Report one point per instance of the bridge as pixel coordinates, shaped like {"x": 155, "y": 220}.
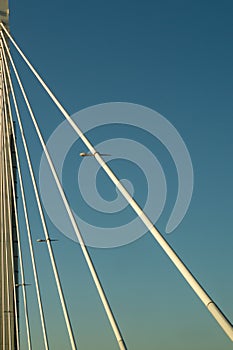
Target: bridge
{"x": 12, "y": 276}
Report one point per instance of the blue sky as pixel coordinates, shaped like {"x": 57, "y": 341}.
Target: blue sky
{"x": 174, "y": 57}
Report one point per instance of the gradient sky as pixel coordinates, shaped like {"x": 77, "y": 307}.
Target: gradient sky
{"x": 176, "y": 58}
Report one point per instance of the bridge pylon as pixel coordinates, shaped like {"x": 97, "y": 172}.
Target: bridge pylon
{"x": 8, "y": 237}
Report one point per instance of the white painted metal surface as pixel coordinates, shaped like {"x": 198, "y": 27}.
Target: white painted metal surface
{"x": 4, "y": 12}
{"x": 8, "y": 303}
{"x": 85, "y": 252}
{"x": 47, "y": 239}
{"x": 198, "y": 289}
{"x": 8, "y": 297}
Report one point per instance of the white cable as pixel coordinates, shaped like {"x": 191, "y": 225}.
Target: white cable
{"x": 6, "y": 310}
{"x": 2, "y": 240}
{"x": 2, "y": 334}
{"x": 8, "y": 166}
{"x": 47, "y": 238}
{"x": 7, "y": 247}
{"x": 38, "y": 293}
{"x": 18, "y": 232}
{"x": 6, "y": 237}
{"x": 192, "y": 281}
{"x": 90, "y": 264}
{"x": 3, "y": 267}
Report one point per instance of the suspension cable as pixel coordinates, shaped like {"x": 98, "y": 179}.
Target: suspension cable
{"x": 192, "y": 281}
{"x": 38, "y": 293}
{"x": 86, "y": 254}
{"x": 8, "y": 166}
{"x": 3, "y": 264}
{"x": 44, "y": 225}
{"x": 5, "y": 233}
{"x": 2, "y": 229}
{"x": 23, "y": 284}
{"x": 7, "y": 242}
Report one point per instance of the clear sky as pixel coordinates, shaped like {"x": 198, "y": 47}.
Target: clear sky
{"x": 174, "y": 57}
